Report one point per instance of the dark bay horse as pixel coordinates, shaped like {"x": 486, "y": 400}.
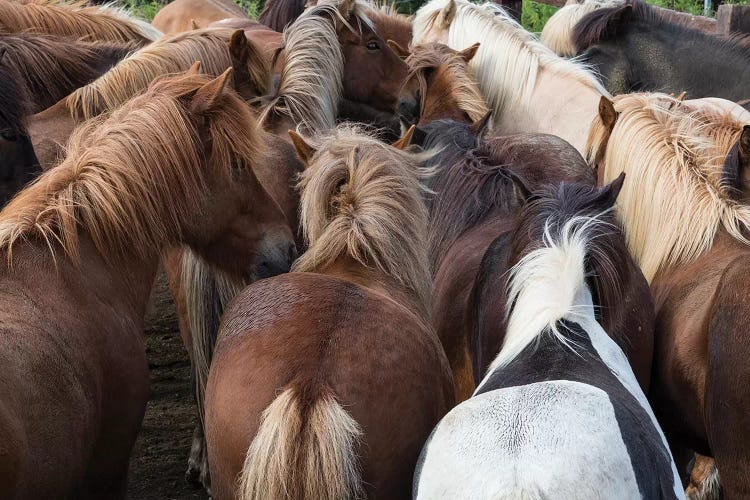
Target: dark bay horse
{"x": 687, "y": 219}
{"x": 74, "y": 386}
{"x": 327, "y": 381}
{"x": 18, "y": 163}
{"x": 560, "y": 412}
{"x": 51, "y": 67}
{"x": 105, "y": 23}
{"x": 635, "y": 48}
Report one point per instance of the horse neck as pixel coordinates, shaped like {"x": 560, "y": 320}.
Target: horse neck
{"x": 350, "y": 270}
{"x": 49, "y": 132}
{"x": 559, "y": 106}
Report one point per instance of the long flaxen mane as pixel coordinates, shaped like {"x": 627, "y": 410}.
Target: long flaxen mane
{"x": 51, "y": 66}
{"x": 311, "y": 82}
{"x": 149, "y": 149}
{"x": 452, "y": 69}
{"x": 509, "y": 60}
{"x": 103, "y": 23}
{"x": 558, "y": 30}
{"x": 362, "y": 199}
{"x": 676, "y": 197}
{"x": 174, "y": 54}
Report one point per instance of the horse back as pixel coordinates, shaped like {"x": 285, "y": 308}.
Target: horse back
{"x": 314, "y": 333}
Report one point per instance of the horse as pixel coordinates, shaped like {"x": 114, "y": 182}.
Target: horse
{"x": 558, "y": 29}
{"x": 440, "y": 81}
{"x": 52, "y": 67}
{"x": 635, "y": 48}
{"x": 215, "y": 49}
{"x": 333, "y": 53}
{"x": 308, "y": 395}
{"x": 184, "y": 153}
{"x": 104, "y": 23}
{"x": 185, "y": 15}
{"x": 527, "y": 86}
{"x": 18, "y": 163}
{"x": 278, "y": 14}
{"x": 685, "y": 212}
{"x": 560, "y": 412}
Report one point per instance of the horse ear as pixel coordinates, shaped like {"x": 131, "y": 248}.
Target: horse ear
{"x": 479, "y": 126}
{"x": 607, "y": 113}
{"x": 207, "y": 97}
{"x": 736, "y": 170}
{"x": 616, "y": 21}
{"x": 194, "y": 25}
{"x": 304, "y": 150}
{"x": 398, "y": 49}
{"x": 607, "y": 195}
{"x": 404, "y": 142}
{"x": 252, "y": 73}
{"x": 468, "y": 53}
{"x": 448, "y": 13}
{"x": 195, "y": 69}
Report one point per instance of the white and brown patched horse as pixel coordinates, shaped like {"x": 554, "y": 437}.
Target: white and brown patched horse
{"x": 560, "y": 413}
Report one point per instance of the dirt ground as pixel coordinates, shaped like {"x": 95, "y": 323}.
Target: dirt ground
{"x": 159, "y": 459}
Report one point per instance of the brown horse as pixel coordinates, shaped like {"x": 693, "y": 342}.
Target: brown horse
{"x": 101, "y": 23}
{"x": 185, "y": 15}
{"x": 215, "y": 49}
{"x": 327, "y": 381}
{"x": 18, "y": 163}
{"x": 74, "y": 386}
{"x": 278, "y": 14}
{"x": 686, "y": 215}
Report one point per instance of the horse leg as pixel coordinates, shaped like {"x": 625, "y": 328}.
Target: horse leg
{"x": 727, "y": 395}
{"x": 704, "y": 480}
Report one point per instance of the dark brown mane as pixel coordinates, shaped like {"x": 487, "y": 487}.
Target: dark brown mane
{"x": 549, "y": 208}
{"x": 52, "y": 67}
{"x": 277, "y": 14}
{"x": 14, "y": 105}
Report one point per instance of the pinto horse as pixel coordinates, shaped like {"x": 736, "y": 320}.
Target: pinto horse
{"x": 327, "y": 381}
{"x": 560, "y": 412}
{"x": 215, "y": 49}
{"x": 52, "y": 67}
{"x": 185, "y": 15}
{"x": 18, "y": 163}
{"x": 75, "y": 386}
{"x": 686, "y": 215}
{"x": 104, "y": 23}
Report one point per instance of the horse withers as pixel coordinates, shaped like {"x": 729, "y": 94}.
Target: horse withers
{"x": 560, "y": 413}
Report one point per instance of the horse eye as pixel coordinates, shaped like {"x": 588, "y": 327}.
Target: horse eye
{"x": 373, "y": 46}
{"x": 9, "y": 135}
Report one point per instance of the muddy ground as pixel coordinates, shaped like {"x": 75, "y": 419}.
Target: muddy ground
{"x": 159, "y": 459}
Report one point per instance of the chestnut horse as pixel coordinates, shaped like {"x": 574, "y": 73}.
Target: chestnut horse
{"x": 327, "y": 381}
{"x": 75, "y": 386}
{"x": 104, "y": 23}
{"x": 185, "y": 15}
{"x": 52, "y": 67}
{"x": 18, "y": 163}
{"x": 215, "y": 49}
{"x": 686, "y": 215}
{"x": 560, "y": 413}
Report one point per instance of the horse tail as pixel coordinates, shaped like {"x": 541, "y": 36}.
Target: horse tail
{"x": 303, "y": 450}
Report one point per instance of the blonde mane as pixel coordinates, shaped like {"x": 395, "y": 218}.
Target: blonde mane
{"x": 311, "y": 82}
{"x": 133, "y": 74}
{"x": 674, "y": 200}
{"x": 454, "y": 70}
{"x": 558, "y": 30}
{"x": 104, "y": 23}
{"x": 363, "y": 199}
{"x": 133, "y": 179}
{"x": 509, "y": 59}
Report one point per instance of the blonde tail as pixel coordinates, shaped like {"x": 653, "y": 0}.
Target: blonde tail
{"x": 296, "y": 457}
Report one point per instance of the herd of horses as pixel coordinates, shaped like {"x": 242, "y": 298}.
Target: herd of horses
{"x": 431, "y": 256}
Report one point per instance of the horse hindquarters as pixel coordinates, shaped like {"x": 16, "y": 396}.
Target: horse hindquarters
{"x": 727, "y": 396}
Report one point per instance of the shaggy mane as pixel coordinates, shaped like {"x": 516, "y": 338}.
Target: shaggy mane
{"x": 451, "y": 68}
{"x": 676, "y": 197}
{"x": 130, "y": 178}
{"x": 104, "y": 23}
{"x": 50, "y": 66}
{"x": 277, "y": 14}
{"x": 363, "y": 199}
{"x": 174, "y": 54}
{"x": 557, "y": 33}
{"x": 14, "y": 104}
{"x": 509, "y": 59}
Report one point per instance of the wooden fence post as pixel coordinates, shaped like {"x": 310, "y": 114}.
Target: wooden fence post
{"x": 732, "y": 18}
